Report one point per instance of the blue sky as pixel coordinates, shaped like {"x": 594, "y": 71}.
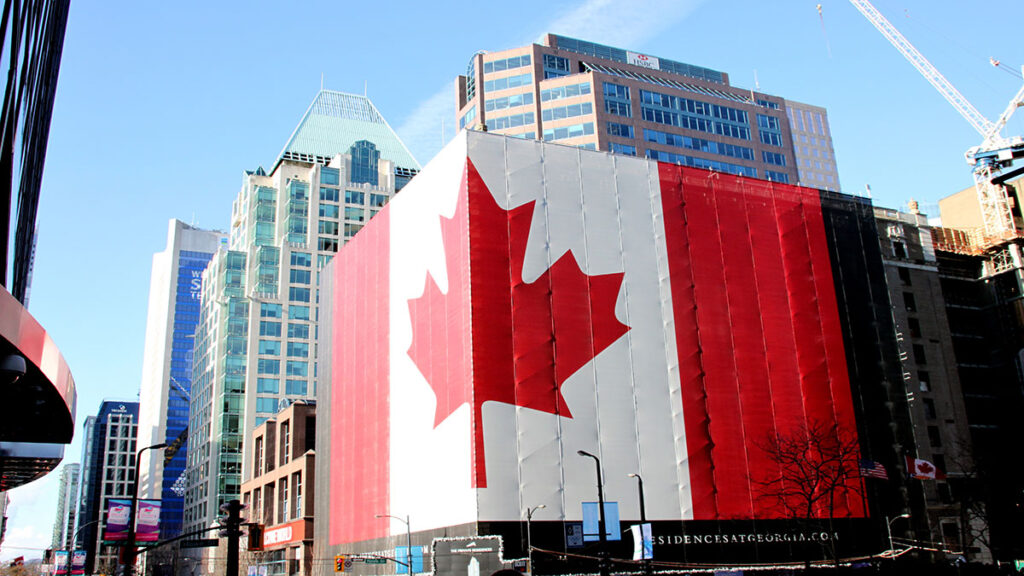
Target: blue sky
{"x": 161, "y": 106}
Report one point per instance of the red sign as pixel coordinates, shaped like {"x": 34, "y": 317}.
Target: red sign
{"x": 285, "y": 534}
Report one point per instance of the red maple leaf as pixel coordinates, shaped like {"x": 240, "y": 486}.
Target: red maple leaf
{"x": 527, "y": 338}
{"x": 925, "y": 467}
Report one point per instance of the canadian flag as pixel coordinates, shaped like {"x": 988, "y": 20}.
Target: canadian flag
{"x": 923, "y": 470}
{"x": 520, "y": 301}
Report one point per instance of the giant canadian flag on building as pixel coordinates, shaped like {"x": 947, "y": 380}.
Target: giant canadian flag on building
{"x": 520, "y": 301}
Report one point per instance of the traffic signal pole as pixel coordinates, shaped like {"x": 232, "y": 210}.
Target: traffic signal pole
{"x": 233, "y": 531}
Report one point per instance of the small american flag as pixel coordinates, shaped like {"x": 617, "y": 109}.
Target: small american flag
{"x": 872, "y": 469}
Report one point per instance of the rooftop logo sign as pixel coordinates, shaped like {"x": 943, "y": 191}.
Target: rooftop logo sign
{"x": 643, "y": 60}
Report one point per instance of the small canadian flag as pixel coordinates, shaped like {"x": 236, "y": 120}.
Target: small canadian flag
{"x": 923, "y": 470}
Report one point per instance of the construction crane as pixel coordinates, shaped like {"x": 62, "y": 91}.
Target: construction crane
{"x": 995, "y": 152}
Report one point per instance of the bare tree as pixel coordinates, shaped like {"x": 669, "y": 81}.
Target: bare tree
{"x": 816, "y": 474}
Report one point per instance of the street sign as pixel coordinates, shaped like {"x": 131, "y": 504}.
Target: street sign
{"x": 375, "y": 560}
{"x": 202, "y": 543}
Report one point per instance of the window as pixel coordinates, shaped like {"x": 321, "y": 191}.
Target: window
{"x": 298, "y": 331}
{"x": 570, "y": 111}
{"x": 929, "y": 408}
{"x": 295, "y": 387}
{"x": 300, "y": 259}
{"x": 296, "y": 294}
{"x": 909, "y": 302}
{"x": 297, "y": 368}
{"x": 925, "y": 380}
{"x": 258, "y": 470}
{"x": 329, "y": 176}
{"x": 329, "y": 210}
{"x": 357, "y": 213}
{"x": 514, "y": 121}
{"x": 702, "y": 163}
{"x": 618, "y": 108}
{"x": 555, "y": 66}
{"x": 915, "y": 327}
{"x": 268, "y": 328}
{"x": 573, "y": 131}
{"x": 329, "y": 194}
{"x": 297, "y": 489}
{"x": 625, "y": 149}
{"x": 266, "y": 405}
{"x": 776, "y": 176}
{"x": 616, "y": 91}
{"x": 298, "y": 349}
{"x": 773, "y": 158}
{"x": 623, "y": 130}
{"x": 364, "y": 162}
{"x": 272, "y": 347}
{"x": 690, "y": 143}
{"x": 509, "y": 101}
{"x": 569, "y": 91}
{"x": 327, "y": 244}
{"x": 299, "y": 276}
{"x": 296, "y": 312}
{"x": 899, "y": 250}
{"x": 267, "y": 385}
{"x": 507, "y": 63}
{"x": 353, "y": 197}
{"x": 919, "y": 354}
{"x": 378, "y": 200}
{"x": 933, "y": 437}
{"x": 268, "y": 366}
{"x": 270, "y": 310}
{"x": 328, "y": 227}
{"x": 509, "y": 82}
{"x": 285, "y": 440}
{"x": 904, "y": 274}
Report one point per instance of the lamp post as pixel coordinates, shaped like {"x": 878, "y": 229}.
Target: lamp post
{"x": 888, "y": 529}
{"x": 408, "y": 538}
{"x": 529, "y": 544}
{"x": 602, "y": 563}
{"x": 129, "y": 556}
{"x": 643, "y": 520}
{"x": 74, "y": 542}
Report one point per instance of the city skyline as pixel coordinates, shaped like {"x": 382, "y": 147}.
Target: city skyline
{"x": 181, "y": 99}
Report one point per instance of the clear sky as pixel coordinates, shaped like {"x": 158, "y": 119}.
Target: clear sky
{"x": 161, "y": 106}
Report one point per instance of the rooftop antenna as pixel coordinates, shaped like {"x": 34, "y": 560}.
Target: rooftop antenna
{"x": 757, "y": 85}
{"x": 867, "y": 190}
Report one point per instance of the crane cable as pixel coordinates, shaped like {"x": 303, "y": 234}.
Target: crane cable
{"x": 821, "y": 17}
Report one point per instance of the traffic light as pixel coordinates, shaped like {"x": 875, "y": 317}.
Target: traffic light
{"x": 339, "y": 563}
{"x": 232, "y": 520}
{"x": 255, "y": 537}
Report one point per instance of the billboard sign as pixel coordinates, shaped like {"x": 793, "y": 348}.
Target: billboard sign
{"x": 147, "y": 521}
{"x": 643, "y": 60}
{"x": 533, "y": 300}
{"x": 118, "y": 516}
{"x": 78, "y": 562}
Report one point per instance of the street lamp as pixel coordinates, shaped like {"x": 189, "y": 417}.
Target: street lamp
{"x": 529, "y": 544}
{"x": 643, "y": 520}
{"x": 408, "y": 537}
{"x": 129, "y": 555}
{"x": 888, "y": 529}
{"x": 602, "y": 538}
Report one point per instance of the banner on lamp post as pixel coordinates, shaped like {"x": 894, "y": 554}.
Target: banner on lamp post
{"x": 118, "y": 515}
{"x": 147, "y": 523}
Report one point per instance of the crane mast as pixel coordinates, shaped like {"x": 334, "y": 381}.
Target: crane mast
{"x": 992, "y": 155}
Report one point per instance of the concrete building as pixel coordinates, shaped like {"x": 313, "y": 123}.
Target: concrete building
{"x": 108, "y": 470}
{"x": 931, "y": 382}
{"x": 67, "y": 509}
{"x": 280, "y": 492}
{"x": 599, "y": 97}
{"x": 256, "y": 344}
{"x": 174, "y": 290}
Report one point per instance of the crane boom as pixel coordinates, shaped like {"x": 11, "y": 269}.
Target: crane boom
{"x": 976, "y": 119}
{"x": 994, "y": 153}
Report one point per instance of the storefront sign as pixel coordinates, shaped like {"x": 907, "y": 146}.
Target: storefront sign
{"x": 744, "y": 538}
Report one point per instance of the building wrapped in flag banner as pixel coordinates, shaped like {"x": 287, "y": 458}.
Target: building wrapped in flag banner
{"x": 519, "y": 302}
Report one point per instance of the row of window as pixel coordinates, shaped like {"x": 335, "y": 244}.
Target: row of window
{"x": 507, "y": 63}
{"x": 273, "y": 329}
{"x": 272, "y": 366}
{"x": 565, "y": 91}
{"x": 701, "y": 163}
{"x": 510, "y": 82}
{"x": 699, "y": 144}
{"x": 508, "y": 101}
{"x": 698, "y": 124}
{"x": 503, "y": 122}
{"x": 697, "y": 107}
{"x": 265, "y": 385}
{"x": 570, "y": 111}
{"x": 293, "y": 349}
{"x": 573, "y": 131}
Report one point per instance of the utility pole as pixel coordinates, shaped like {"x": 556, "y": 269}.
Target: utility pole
{"x": 232, "y": 524}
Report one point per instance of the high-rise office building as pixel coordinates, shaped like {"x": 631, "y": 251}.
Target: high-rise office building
{"x": 598, "y": 97}
{"x": 255, "y": 348}
{"x": 167, "y": 366}
{"x": 67, "y": 508}
{"x": 108, "y": 469}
